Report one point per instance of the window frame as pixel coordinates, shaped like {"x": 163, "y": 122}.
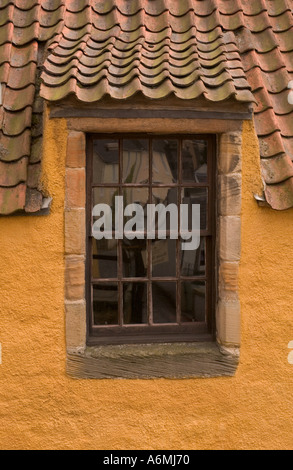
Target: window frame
{"x": 141, "y": 334}
{"x": 200, "y": 359}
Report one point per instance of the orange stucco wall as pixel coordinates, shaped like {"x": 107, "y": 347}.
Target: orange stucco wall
{"x": 42, "y": 408}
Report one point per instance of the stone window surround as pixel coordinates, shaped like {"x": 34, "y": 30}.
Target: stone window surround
{"x": 149, "y": 361}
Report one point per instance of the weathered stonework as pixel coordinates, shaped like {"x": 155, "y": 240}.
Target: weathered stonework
{"x": 75, "y": 188}
{"x": 75, "y": 246}
{"x": 229, "y": 199}
{"x": 229, "y": 159}
{"x": 76, "y": 154}
{"x": 75, "y": 326}
{"x": 228, "y": 322}
{"x": 75, "y": 232}
{"x": 75, "y": 278}
{"x": 229, "y": 239}
{"x": 228, "y": 281}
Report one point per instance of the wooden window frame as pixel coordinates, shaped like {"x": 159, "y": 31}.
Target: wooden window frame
{"x": 155, "y": 333}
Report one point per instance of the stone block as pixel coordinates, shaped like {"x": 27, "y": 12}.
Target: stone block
{"x": 229, "y": 200}
{"x": 230, "y": 238}
{"x": 228, "y": 281}
{"x": 74, "y": 278}
{"x": 75, "y": 188}
{"x": 75, "y": 232}
{"x": 76, "y": 150}
{"x": 228, "y": 323}
{"x": 75, "y": 326}
{"x": 230, "y": 153}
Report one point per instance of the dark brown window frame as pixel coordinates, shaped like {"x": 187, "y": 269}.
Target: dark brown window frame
{"x": 187, "y": 332}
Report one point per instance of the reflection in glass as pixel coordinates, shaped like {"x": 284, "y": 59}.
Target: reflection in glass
{"x": 164, "y": 220}
{"x": 165, "y": 161}
{"x": 135, "y": 196}
{"x": 164, "y": 302}
{"x": 164, "y": 258}
{"x": 105, "y": 259}
{"x": 164, "y": 196}
{"x": 104, "y": 195}
{"x": 104, "y": 220}
{"x": 134, "y": 253}
{"x": 135, "y": 161}
{"x": 135, "y": 303}
{"x": 194, "y": 161}
{"x": 193, "y": 262}
{"x": 193, "y": 300}
{"x": 196, "y": 196}
{"x": 105, "y": 304}
{"x": 105, "y": 161}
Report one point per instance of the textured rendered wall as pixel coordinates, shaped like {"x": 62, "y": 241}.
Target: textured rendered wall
{"x": 41, "y": 408}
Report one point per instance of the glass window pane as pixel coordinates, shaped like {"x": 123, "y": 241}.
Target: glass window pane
{"x": 105, "y": 304}
{"x": 193, "y": 301}
{"x": 124, "y": 265}
{"x": 164, "y": 302}
{"x": 103, "y": 195}
{"x": 164, "y": 258}
{"x": 106, "y": 161}
{"x": 164, "y": 196}
{"x": 134, "y": 253}
{"x": 136, "y": 196}
{"x": 135, "y": 212}
{"x": 194, "y": 161}
{"x": 105, "y": 259}
{"x": 135, "y": 303}
{"x": 104, "y": 217}
{"x": 199, "y": 196}
{"x": 164, "y": 219}
{"x": 193, "y": 262}
{"x": 135, "y": 161}
{"x": 165, "y": 161}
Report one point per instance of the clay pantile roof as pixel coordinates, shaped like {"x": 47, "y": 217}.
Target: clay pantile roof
{"x": 213, "y": 49}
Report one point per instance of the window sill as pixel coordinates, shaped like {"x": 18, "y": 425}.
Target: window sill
{"x": 150, "y": 361}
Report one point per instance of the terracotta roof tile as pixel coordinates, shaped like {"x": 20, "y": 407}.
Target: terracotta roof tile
{"x": 21, "y": 20}
{"x": 14, "y": 148}
{"x": 217, "y": 49}
{"x": 36, "y": 150}
{"x": 15, "y": 123}
{"x": 283, "y": 190}
{"x": 277, "y": 169}
{"x": 6, "y": 33}
{"x": 11, "y": 174}
{"x": 277, "y": 101}
{"x": 21, "y": 56}
{"x": 282, "y": 22}
{"x": 25, "y": 4}
{"x": 271, "y": 145}
{"x": 33, "y": 175}
{"x": 288, "y": 146}
{"x": 276, "y": 8}
{"x": 15, "y": 101}
{"x": 21, "y": 77}
{"x": 12, "y": 199}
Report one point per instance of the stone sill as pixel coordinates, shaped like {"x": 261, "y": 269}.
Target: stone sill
{"x": 151, "y": 361}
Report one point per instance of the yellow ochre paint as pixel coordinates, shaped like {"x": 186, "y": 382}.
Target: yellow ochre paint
{"x": 42, "y": 408}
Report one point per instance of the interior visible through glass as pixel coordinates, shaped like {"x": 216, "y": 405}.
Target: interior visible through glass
{"x": 149, "y": 281}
